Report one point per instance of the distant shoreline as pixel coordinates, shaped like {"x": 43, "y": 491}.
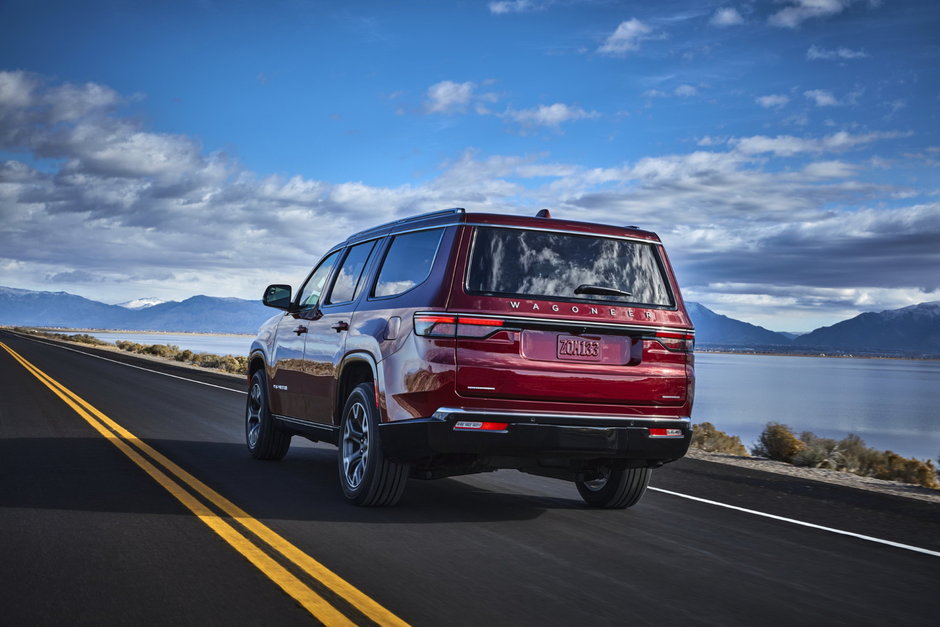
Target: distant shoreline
{"x": 820, "y": 356}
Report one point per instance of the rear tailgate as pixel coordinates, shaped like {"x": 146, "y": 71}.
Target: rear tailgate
{"x": 545, "y": 361}
{"x": 569, "y": 317}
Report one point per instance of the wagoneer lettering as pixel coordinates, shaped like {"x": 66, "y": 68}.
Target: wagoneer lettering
{"x": 452, "y": 343}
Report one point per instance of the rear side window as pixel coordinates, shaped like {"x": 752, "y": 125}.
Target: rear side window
{"x": 346, "y": 285}
{"x": 408, "y": 262}
{"x": 554, "y": 265}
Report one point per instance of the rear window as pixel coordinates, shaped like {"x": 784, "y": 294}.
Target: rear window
{"x": 516, "y": 262}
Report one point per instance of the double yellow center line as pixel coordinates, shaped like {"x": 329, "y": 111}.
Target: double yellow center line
{"x": 173, "y": 479}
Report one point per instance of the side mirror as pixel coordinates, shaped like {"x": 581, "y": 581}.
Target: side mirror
{"x": 277, "y": 296}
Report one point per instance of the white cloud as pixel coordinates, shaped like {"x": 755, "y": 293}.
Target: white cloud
{"x": 814, "y": 52}
{"x": 788, "y": 145}
{"x": 773, "y": 101}
{"x": 822, "y": 97}
{"x": 515, "y": 6}
{"x": 449, "y": 97}
{"x": 626, "y": 38}
{"x": 16, "y": 89}
{"x": 801, "y": 10}
{"x": 829, "y": 170}
{"x": 550, "y": 115}
{"x": 726, "y": 17}
{"x": 682, "y": 91}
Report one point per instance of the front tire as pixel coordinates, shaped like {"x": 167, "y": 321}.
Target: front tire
{"x": 366, "y": 476}
{"x": 263, "y": 435}
{"x": 615, "y": 489}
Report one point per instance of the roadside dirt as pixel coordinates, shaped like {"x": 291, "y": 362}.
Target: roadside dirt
{"x": 822, "y": 474}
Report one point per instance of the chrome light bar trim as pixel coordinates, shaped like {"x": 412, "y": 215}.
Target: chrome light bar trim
{"x": 444, "y": 413}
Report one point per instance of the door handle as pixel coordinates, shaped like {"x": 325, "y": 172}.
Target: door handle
{"x": 300, "y": 330}
{"x": 340, "y": 326}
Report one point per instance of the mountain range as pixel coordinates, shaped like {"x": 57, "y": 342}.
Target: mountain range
{"x": 199, "y": 314}
{"x": 910, "y": 331}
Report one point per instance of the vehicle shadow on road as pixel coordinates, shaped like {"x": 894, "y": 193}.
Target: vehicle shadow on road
{"x": 90, "y": 474}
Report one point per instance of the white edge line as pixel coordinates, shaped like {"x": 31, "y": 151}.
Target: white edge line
{"x": 801, "y": 523}
{"x": 121, "y": 363}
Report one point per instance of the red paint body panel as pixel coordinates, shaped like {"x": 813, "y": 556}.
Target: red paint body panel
{"x": 598, "y": 363}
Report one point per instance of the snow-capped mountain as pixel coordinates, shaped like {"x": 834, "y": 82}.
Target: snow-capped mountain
{"x": 141, "y": 303}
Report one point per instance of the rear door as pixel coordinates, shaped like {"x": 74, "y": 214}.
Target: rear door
{"x": 569, "y": 317}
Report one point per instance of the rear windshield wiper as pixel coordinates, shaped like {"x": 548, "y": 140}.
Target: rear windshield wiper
{"x": 601, "y": 290}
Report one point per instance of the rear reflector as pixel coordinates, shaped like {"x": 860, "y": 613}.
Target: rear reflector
{"x": 665, "y": 433}
{"x": 469, "y": 425}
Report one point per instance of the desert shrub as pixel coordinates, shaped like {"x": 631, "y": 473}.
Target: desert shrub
{"x": 185, "y": 356}
{"x": 228, "y": 363}
{"x": 894, "y": 467}
{"x": 131, "y": 347}
{"x": 706, "y": 437}
{"x": 162, "y": 350}
{"x": 777, "y": 442}
{"x": 84, "y": 338}
{"x": 852, "y": 455}
{"x": 819, "y": 452}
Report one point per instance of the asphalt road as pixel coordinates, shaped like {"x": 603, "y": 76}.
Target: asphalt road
{"x": 88, "y": 536}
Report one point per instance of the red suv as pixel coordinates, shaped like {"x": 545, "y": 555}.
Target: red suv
{"x": 452, "y": 343}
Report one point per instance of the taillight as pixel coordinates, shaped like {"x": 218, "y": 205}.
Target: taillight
{"x": 676, "y": 341}
{"x": 433, "y": 325}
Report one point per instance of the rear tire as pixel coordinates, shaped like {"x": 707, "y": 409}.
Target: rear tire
{"x": 616, "y": 489}
{"x": 263, "y": 435}
{"x": 366, "y": 476}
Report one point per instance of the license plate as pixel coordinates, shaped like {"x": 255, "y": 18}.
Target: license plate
{"x": 579, "y": 348}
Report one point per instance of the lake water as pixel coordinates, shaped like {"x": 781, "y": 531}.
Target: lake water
{"x": 197, "y": 343}
{"x": 892, "y": 404}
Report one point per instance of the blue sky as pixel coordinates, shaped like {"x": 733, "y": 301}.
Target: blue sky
{"x": 786, "y": 151}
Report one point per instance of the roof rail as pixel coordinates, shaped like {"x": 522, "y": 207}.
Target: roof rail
{"x": 418, "y": 218}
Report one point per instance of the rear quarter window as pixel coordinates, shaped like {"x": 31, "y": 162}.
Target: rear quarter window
{"x": 407, "y": 263}
{"x": 517, "y": 262}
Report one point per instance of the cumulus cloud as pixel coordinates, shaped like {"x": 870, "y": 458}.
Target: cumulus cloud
{"x": 626, "y": 38}
{"x": 799, "y": 11}
{"x": 728, "y": 16}
{"x": 822, "y": 97}
{"x": 449, "y": 97}
{"x": 814, "y": 52}
{"x": 773, "y": 101}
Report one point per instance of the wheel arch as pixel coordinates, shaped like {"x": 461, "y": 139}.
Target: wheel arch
{"x": 356, "y": 368}
{"x": 256, "y": 362}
